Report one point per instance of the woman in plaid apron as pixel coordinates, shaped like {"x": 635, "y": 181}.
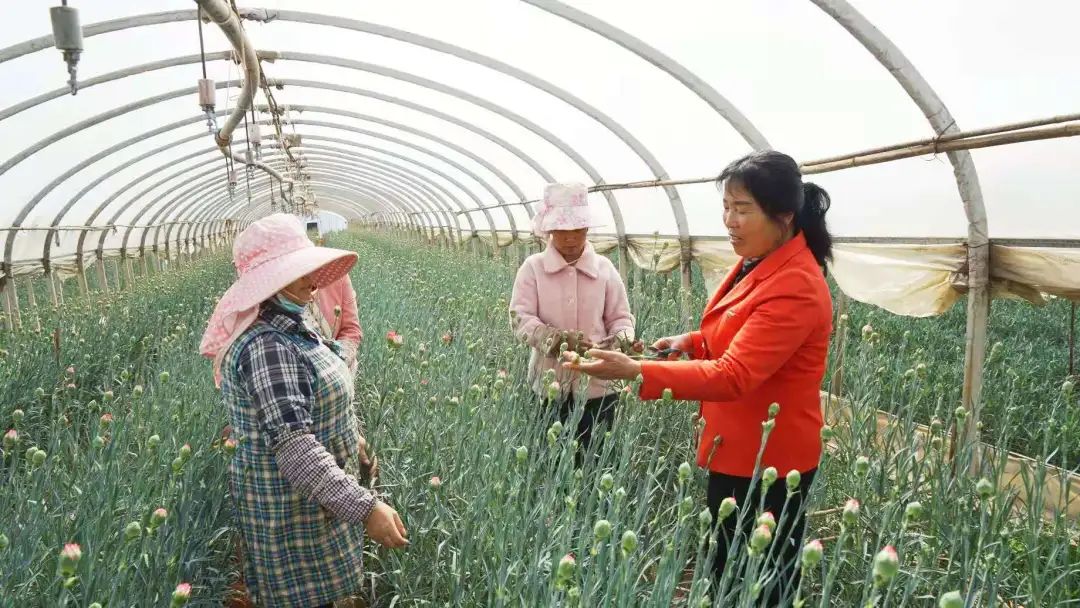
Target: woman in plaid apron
{"x": 301, "y": 514}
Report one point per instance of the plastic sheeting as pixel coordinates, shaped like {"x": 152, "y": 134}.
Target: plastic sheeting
{"x": 421, "y": 108}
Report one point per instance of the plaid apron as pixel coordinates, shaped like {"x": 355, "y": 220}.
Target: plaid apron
{"x": 296, "y": 552}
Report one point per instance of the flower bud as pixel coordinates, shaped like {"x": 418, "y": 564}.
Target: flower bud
{"x": 177, "y": 464}
{"x": 913, "y": 511}
{"x": 668, "y": 396}
{"x": 768, "y": 477}
{"x": 827, "y": 434}
{"x": 95, "y": 605}
{"x": 181, "y": 595}
{"x": 1067, "y": 388}
{"x": 952, "y": 599}
{"x": 862, "y": 465}
{"x": 766, "y": 519}
{"x": 133, "y": 531}
{"x": 39, "y": 393}
{"x": 567, "y": 566}
{"x": 960, "y": 413}
{"x": 521, "y": 454}
{"x": 727, "y": 507}
{"x": 774, "y": 409}
{"x": 886, "y": 565}
{"x": 620, "y": 494}
{"x": 10, "y": 439}
{"x": 30, "y": 451}
{"x": 602, "y": 529}
{"x": 99, "y": 442}
{"x": 686, "y": 506}
{"x": 867, "y": 331}
{"x": 629, "y": 542}
{"x": 435, "y": 482}
{"x": 759, "y": 539}
{"x": 812, "y": 554}
{"x": 106, "y": 420}
{"x": 985, "y": 488}
{"x": 704, "y": 520}
{"x": 69, "y": 559}
{"x": 137, "y": 391}
{"x": 768, "y": 425}
{"x": 685, "y": 471}
{"x": 158, "y": 517}
{"x": 39, "y": 458}
{"x": 794, "y": 478}
{"x": 163, "y": 377}
{"x": 4, "y": 542}
{"x": 17, "y": 416}
{"x": 851, "y": 512}
{"x": 153, "y": 441}
{"x": 108, "y": 395}
{"x": 230, "y": 446}
{"x": 607, "y": 482}
{"x": 185, "y": 452}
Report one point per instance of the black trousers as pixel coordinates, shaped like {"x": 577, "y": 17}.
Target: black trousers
{"x": 786, "y": 546}
{"x": 597, "y": 416}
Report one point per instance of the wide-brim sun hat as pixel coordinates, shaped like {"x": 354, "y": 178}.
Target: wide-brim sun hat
{"x": 564, "y": 207}
{"x": 268, "y": 255}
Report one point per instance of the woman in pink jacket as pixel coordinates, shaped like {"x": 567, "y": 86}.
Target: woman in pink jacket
{"x": 334, "y": 312}
{"x": 569, "y": 294}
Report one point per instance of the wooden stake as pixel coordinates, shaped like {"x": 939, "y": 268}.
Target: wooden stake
{"x": 50, "y": 278}
{"x": 13, "y": 293}
{"x": 102, "y": 275}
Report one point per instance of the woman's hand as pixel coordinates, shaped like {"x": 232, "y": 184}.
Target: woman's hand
{"x": 681, "y": 343}
{"x": 604, "y": 365}
{"x": 573, "y": 343}
{"x": 384, "y": 526}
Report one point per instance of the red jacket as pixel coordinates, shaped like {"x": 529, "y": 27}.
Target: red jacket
{"x": 764, "y": 341}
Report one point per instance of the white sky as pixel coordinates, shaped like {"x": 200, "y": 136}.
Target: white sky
{"x": 806, "y": 84}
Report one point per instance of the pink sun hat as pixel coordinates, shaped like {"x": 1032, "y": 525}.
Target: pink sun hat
{"x": 564, "y": 207}
{"x": 268, "y": 255}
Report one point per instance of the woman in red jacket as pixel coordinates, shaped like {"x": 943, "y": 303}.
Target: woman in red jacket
{"x": 763, "y": 339}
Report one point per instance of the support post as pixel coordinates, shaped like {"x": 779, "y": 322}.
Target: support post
{"x": 103, "y": 275}
{"x": 8, "y": 324}
{"x": 13, "y": 294}
{"x": 978, "y": 314}
{"x": 685, "y": 272}
{"x": 31, "y": 298}
{"x": 624, "y": 256}
{"x": 50, "y": 278}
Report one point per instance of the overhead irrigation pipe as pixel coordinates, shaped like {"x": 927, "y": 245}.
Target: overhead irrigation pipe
{"x": 222, "y": 14}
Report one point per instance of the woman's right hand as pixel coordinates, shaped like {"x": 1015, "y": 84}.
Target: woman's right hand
{"x": 680, "y": 342}
{"x": 383, "y": 525}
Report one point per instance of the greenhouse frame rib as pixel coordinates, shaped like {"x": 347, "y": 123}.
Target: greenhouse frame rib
{"x": 411, "y": 194}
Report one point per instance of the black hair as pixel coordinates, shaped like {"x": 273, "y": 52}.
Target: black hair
{"x": 775, "y": 182}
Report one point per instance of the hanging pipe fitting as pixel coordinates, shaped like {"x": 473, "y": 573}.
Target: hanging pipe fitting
{"x": 254, "y": 137}
{"x": 208, "y": 101}
{"x": 69, "y": 39}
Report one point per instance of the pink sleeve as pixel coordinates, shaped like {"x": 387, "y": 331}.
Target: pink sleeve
{"x": 349, "y": 325}
{"x": 618, "y": 320}
{"x": 524, "y": 305}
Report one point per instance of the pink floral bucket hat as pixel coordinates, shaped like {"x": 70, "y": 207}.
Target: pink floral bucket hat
{"x": 564, "y": 207}
{"x": 268, "y": 255}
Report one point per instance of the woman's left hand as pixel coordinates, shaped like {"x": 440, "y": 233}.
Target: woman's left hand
{"x": 604, "y": 365}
